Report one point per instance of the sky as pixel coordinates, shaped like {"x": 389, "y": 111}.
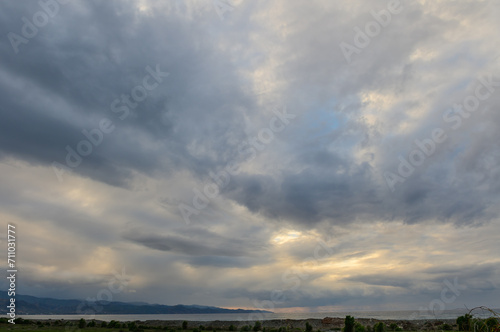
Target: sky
{"x": 282, "y": 155}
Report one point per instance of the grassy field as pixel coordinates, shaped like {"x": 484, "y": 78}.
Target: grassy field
{"x": 463, "y": 323}
{"x": 10, "y": 327}
{"x": 19, "y": 327}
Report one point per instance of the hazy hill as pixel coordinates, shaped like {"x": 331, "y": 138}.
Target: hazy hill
{"x": 30, "y": 305}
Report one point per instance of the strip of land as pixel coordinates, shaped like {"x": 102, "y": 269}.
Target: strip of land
{"x": 276, "y": 325}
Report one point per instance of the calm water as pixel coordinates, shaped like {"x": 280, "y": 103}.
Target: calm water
{"x": 397, "y": 315}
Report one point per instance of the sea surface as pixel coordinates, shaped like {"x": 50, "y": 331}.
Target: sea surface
{"x": 382, "y": 315}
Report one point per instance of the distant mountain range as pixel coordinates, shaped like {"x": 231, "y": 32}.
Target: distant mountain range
{"x": 30, "y": 305}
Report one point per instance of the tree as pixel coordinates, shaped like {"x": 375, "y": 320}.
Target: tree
{"x": 81, "y": 323}
{"x": 349, "y": 324}
{"x": 309, "y": 327}
{"x": 463, "y": 322}
{"x": 257, "y": 326}
{"x": 184, "y": 325}
{"x": 114, "y": 324}
{"x": 232, "y": 327}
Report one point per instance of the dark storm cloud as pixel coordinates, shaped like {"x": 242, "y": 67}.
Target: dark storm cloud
{"x": 193, "y": 245}
{"x": 192, "y": 121}
{"x": 315, "y": 195}
{"x": 350, "y": 189}
{"x": 85, "y": 59}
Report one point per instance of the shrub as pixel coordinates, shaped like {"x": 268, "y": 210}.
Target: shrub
{"x": 114, "y": 324}
{"x": 379, "y": 327}
{"x": 358, "y": 327}
{"x": 446, "y": 327}
{"x": 232, "y": 327}
{"x": 309, "y": 327}
{"x": 257, "y": 326}
{"x": 492, "y": 323}
{"x": 463, "y": 322}
{"x": 132, "y": 326}
{"x": 82, "y": 323}
{"x": 19, "y": 320}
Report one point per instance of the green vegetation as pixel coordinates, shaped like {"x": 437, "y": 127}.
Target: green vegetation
{"x": 463, "y": 322}
{"x": 349, "y": 324}
{"x": 380, "y": 327}
{"x": 358, "y": 327}
{"x": 446, "y": 327}
{"x": 467, "y": 322}
{"x": 493, "y": 323}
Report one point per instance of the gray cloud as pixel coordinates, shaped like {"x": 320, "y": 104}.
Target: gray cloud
{"x": 193, "y": 246}
{"x": 321, "y": 177}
